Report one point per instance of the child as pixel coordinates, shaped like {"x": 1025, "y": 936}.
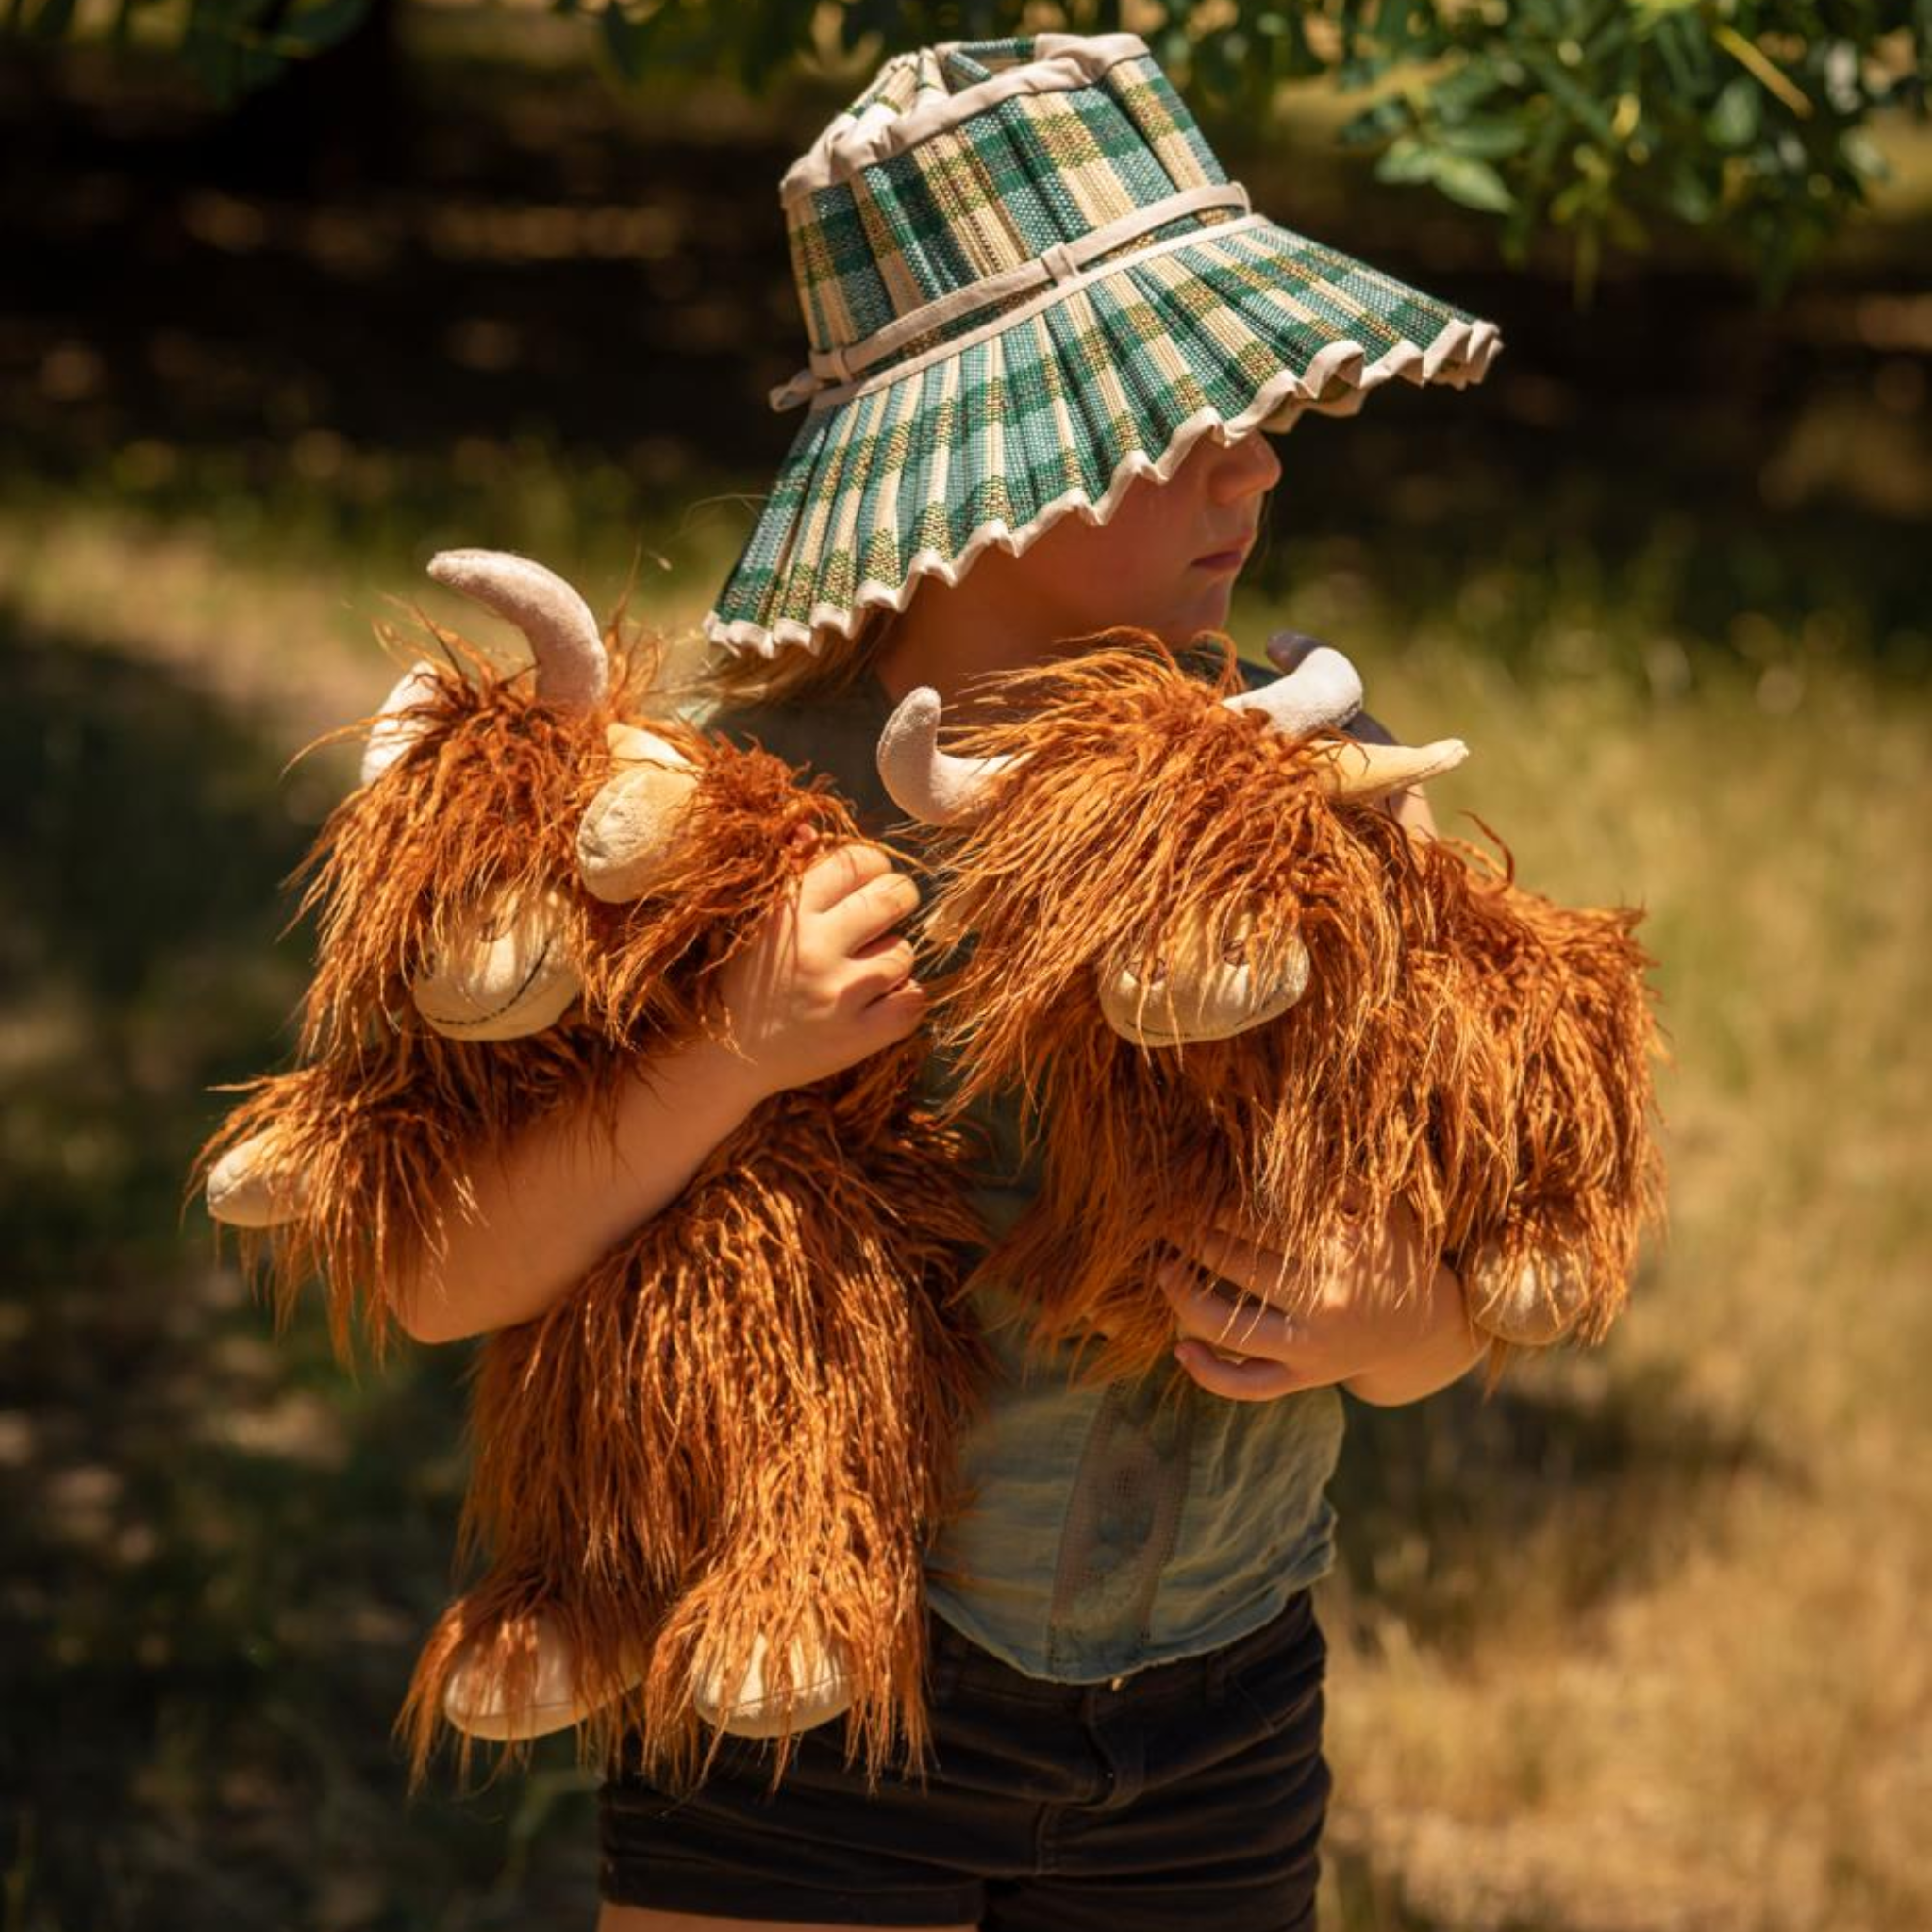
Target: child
{"x": 1030, "y": 291}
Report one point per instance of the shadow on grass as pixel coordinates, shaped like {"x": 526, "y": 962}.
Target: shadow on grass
{"x": 139, "y": 949}
{"x": 218, "y": 1551}
{"x": 1564, "y": 1489}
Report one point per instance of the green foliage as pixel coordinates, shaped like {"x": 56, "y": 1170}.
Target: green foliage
{"x": 1741, "y": 121}
{"x": 231, "y": 47}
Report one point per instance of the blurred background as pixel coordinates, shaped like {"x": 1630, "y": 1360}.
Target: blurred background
{"x": 1639, "y": 1642}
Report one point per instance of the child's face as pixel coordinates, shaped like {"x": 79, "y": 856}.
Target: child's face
{"x": 1166, "y": 561}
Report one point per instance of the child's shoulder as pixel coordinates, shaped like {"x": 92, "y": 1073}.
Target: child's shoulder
{"x": 835, "y": 735}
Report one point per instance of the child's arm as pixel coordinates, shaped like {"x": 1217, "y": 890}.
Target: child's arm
{"x": 825, "y": 983}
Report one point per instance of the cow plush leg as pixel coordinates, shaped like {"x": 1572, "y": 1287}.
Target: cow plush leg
{"x": 813, "y": 1608}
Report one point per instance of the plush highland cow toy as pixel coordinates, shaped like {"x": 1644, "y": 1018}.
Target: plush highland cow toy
{"x": 701, "y": 1481}
{"x": 1227, "y": 982}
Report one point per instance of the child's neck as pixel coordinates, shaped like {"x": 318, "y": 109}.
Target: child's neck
{"x": 946, "y": 639}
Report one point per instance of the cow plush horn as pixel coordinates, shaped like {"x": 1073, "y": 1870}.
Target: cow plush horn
{"x": 924, "y": 782}
{"x": 572, "y": 667}
{"x": 1320, "y": 691}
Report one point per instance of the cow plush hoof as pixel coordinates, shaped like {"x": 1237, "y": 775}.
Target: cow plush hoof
{"x": 822, "y": 1691}
{"x": 474, "y": 1702}
{"x": 1530, "y": 1301}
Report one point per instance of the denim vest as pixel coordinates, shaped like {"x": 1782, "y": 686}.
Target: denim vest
{"x": 1111, "y": 1527}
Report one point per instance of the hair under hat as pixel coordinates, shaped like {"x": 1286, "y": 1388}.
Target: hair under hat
{"x": 1025, "y": 282}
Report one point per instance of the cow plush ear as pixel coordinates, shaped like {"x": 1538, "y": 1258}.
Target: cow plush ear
{"x": 1356, "y": 774}
{"x": 399, "y": 722}
{"x": 628, "y": 829}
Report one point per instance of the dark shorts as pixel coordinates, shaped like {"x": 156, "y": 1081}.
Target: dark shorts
{"x": 1191, "y": 1796}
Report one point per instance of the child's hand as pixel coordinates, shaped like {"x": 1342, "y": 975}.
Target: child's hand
{"x": 825, "y": 981}
{"x": 1382, "y": 1324}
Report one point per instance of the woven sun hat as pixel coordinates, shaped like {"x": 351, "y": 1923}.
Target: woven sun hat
{"x": 1026, "y": 281}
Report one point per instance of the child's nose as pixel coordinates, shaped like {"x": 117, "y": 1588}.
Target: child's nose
{"x": 1248, "y": 467}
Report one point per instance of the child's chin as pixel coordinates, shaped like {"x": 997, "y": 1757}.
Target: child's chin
{"x": 1207, "y": 610}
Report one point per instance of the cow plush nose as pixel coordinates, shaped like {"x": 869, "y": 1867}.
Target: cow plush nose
{"x": 1203, "y": 991}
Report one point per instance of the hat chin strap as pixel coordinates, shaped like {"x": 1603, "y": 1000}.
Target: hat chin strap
{"x": 1063, "y": 262}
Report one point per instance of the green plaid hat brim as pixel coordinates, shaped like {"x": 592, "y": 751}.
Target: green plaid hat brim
{"x": 918, "y": 471}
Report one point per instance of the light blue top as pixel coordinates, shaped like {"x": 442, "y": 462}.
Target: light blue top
{"x": 1112, "y": 1527}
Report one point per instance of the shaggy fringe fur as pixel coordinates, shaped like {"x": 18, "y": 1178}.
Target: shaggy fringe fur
{"x": 1462, "y": 1045}
{"x": 486, "y": 801}
{"x": 1564, "y": 993}
{"x": 699, "y": 1446}
{"x": 385, "y": 1116}
{"x": 742, "y": 1419}
{"x": 389, "y": 1134}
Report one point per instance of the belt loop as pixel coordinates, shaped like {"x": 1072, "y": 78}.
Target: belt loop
{"x": 830, "y": 365}
{"x": 1059, "y": 263}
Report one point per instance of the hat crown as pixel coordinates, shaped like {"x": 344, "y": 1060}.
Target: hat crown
{"x": 970, "y": 160}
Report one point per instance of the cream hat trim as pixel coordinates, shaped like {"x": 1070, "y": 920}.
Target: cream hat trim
{"x": 853, "y": 142}
{"x": 1056, "y": 290}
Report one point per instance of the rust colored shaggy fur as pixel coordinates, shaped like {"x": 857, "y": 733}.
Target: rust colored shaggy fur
{"x": 746, "y": 1413}
{"x": 700, "y": 1445}
{"x": 1462, "y": 1045}
{"x": 383, "y": 1114}
{"x": 389, "y": 1132}
{"x": 486, "y": 799}
{"x": 1563, "y": 994}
